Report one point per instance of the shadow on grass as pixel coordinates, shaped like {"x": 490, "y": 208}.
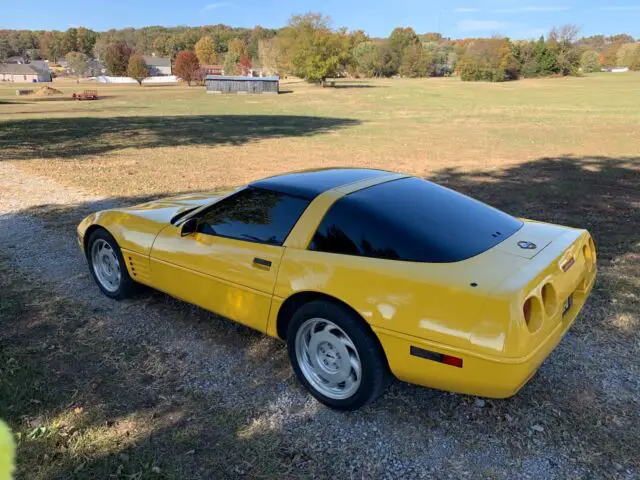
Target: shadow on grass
{"x": 76, "y": 137}
{"x": 583, "y": 425}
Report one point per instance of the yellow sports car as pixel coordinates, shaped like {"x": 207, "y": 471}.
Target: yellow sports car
{"x": 364, "y": 273}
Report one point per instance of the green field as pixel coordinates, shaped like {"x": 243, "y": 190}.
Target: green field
{"x": 88, "y": 404}
{"x": 162, "y": 139}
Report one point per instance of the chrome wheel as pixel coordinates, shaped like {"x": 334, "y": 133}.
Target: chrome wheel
{"x": 105, "y": 265}
{"x": 328, "y": 358}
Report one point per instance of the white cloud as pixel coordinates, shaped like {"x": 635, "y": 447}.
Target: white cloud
{"x": 466, "y": 10}
{"x": 213, "y": 6}
{"x": 479, "y": 25}
{"x": 621, "y": 8}
{"x": 533, "y": 8}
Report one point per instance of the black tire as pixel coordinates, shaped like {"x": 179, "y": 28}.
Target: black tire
{"x": 375, "y": 370}
{"x": 127, "y": 287}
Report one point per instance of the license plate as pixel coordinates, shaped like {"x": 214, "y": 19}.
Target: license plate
{"x": 568, "y": 303}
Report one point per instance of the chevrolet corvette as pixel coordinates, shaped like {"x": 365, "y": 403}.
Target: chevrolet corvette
{"x": 366, "y": 274}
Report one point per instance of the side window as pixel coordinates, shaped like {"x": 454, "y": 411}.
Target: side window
{"x": 350, "y": 230}
{"x": 254, "y": 215}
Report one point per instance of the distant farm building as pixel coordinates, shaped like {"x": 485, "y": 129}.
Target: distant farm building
{"x": 15, "y": 59}
{"x": 158, "y": 66}
{"x": 229, "y": 84}
{"x": 19, "y": 72}
{"x": 212, "y": 69}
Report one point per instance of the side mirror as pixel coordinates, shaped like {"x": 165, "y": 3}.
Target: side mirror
{"x": 189, "y": 227}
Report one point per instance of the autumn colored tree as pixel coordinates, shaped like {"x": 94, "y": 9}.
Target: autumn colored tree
{"x": 206, "y": 51}
{"x": 245, "y": 65}
{"x": 137, "y": 68}
{"x": 627, "y": 53}
{"x": 488, "y": 60}
{"x": 238, "y": 47}
{"x": 416, "y": 62}
{"x": 117, "y": 59}
{"x": 187, "y": 66}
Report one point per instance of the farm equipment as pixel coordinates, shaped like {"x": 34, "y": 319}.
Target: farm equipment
{"x": 86, "y": 95}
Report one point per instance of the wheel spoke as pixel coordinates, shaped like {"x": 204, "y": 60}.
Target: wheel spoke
{"x": 105, "y": 265}
{"x": 328, "y": 358}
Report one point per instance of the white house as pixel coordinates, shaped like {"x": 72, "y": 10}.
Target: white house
{"x": 24, "y": 73}
{"x": 158, "y": 66}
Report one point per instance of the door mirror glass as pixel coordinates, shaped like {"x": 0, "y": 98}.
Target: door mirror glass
{"x": 189, "y": 227}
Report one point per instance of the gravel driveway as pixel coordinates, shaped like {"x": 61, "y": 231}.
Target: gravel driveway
{"x": 576, "y": 419}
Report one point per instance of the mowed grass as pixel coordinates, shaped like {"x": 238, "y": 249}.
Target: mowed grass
{"x": 565, "y": 151}
{"x": 145, "y": 140}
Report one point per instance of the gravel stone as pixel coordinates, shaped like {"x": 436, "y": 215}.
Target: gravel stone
{"x": 411, "y": 432}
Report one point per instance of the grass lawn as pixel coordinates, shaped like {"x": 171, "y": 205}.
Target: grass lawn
{"x": 147, "y": 140}
{"x": 565, "y": 151}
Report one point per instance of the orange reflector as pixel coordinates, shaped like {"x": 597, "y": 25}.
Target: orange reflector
{"x": 453, "y": 361}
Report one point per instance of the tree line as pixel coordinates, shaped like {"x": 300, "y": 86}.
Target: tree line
{"x": 311, "y": 48}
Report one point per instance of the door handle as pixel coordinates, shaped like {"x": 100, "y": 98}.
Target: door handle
{"x": 262, "y": 262}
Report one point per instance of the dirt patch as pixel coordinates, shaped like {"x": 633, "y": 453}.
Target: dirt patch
{"x": 46, "y": 91}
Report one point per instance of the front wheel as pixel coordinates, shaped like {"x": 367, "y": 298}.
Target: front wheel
{"x": 335, "y": 356}
{"x": 107, "y": 266}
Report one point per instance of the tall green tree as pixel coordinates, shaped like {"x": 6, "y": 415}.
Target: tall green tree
{"x": 78, "y": 63}
{"x": 85, "y": 40}
{"x": 367, "y": 59}
{"x": 590, "y": 61}
{"x": 399, "y": 41}
{"x": 231, "y": 60}
{"x": 562, "y": 42}
{"x": 117, "y": 59}
{"x": 314, "y": 50}
{"x": 545, "y": 59}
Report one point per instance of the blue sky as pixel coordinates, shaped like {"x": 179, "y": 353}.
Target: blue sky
{"x": 455, "y": 18}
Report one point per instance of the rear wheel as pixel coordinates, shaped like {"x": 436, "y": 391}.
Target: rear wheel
{"x": 108, "y": 267}
{"x": 335, "y": 356}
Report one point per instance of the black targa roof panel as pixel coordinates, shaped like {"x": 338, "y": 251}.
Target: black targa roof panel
{"x": 311, "y": 183}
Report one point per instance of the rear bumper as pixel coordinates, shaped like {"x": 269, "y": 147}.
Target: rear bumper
{"x": 481, "y": 375}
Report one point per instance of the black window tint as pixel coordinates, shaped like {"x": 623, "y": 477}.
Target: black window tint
{"x": 255, "y": 215}
{"x": 412, "y": 220}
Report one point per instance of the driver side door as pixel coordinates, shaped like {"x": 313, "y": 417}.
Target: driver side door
{"x": 230, "y": 264}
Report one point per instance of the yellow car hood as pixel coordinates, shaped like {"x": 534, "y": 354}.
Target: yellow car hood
{"x": 163, "y": 210}
{"x": 135, "y": 228}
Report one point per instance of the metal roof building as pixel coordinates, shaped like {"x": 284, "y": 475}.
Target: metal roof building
{"x": 232, "y": 84}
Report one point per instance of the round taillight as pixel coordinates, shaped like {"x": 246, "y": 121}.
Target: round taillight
{"x": 532, "y": 312}
{"x": 592, "y": 246}
{"x": 549, "y": 300}
{"x": 526, "y": 310}
{"x": 588, "y": 255}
